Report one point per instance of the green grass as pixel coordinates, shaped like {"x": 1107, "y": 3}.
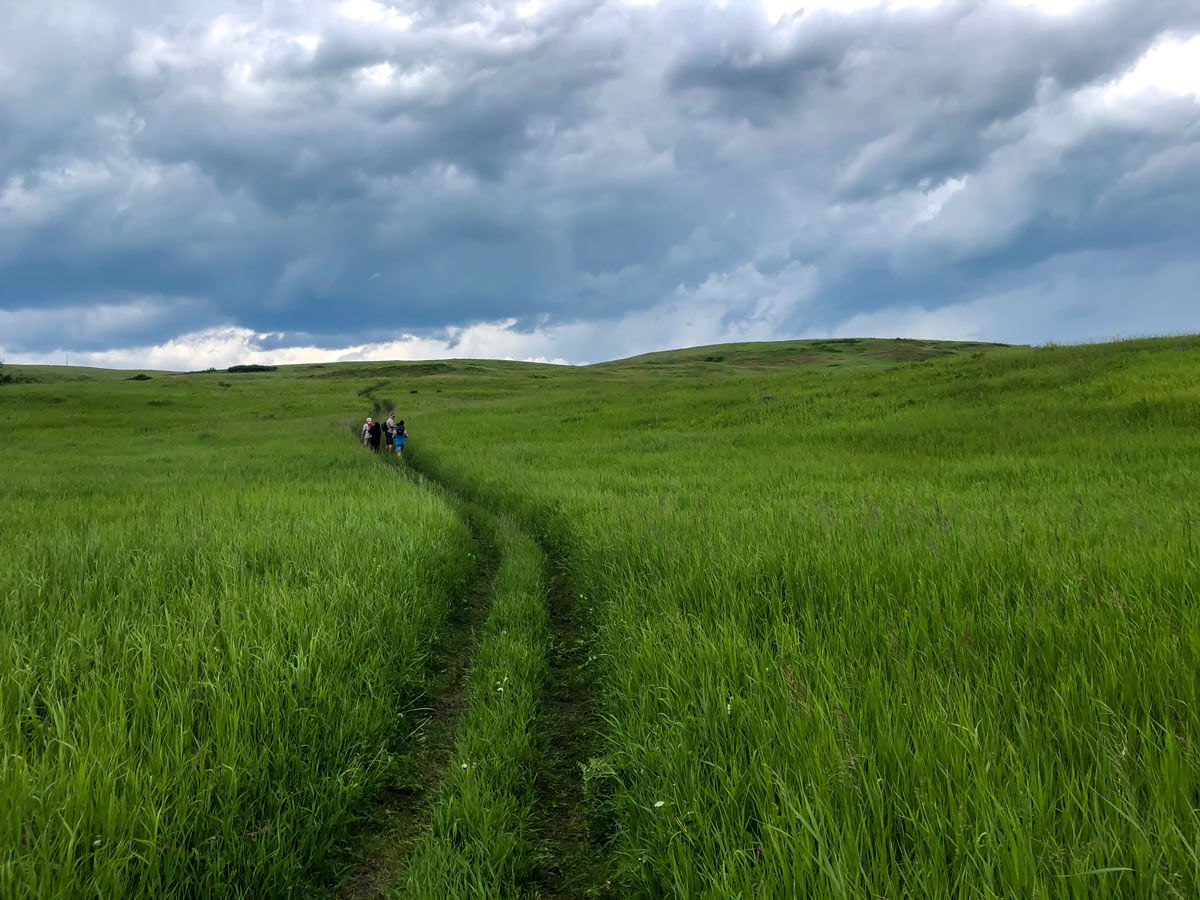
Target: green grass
{"x": 927, "y": 631}
{"x": 880, "y": 618}
{"x": 206, "y": 632}
{"x": 766, "y": 355}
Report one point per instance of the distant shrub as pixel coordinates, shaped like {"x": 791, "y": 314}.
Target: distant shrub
{"x": 11, "y": 377}
{"x": 140, "y": 376}
{"x": 716, "y": 357}
{"x": 251, "y": 367}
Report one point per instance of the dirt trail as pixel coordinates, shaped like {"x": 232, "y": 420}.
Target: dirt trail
{"x": 383, "y": 842}
{"x": 570, "y": 863}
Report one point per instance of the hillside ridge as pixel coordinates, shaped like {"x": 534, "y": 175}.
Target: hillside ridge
{"x": 852, "y": 352}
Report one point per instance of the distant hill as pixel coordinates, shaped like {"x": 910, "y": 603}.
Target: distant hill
{"x": 830, "y": 353}
{"x": 835, "y": 352}
{"x": 64, "y": 374}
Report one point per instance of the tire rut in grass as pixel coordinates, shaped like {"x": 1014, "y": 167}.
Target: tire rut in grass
{"x": 401, "y": 810}
{"x": 571, "y": 864}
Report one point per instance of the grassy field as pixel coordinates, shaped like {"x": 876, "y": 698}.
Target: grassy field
{"x": 211, "y": 616}
{"x": 861, "y": 618}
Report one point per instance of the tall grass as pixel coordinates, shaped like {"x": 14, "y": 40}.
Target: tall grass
{"x": 926, "y": 630}
{"x": 930, "y": 631}
{"x": 209, "y": 621}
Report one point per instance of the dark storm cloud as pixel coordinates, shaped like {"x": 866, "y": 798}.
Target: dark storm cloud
{"x": 342, "y": 173}
{"x": 908, "y": 95}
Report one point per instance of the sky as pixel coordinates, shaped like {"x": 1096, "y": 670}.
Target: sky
{"x": 207, "y": 183}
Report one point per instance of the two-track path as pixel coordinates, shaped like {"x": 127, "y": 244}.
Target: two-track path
{"x": 567, "y": 863}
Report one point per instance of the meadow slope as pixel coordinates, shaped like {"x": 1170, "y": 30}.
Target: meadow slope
{"x": 926, "y": 630}
{"x": 857, "y": 618}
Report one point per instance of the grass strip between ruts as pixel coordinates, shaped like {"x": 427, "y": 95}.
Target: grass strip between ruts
{"x": 478, "y": 843}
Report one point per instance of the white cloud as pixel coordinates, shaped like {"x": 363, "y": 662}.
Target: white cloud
{"x": 935, "y": 198}
{"x": 371, "y": 12}
{"x": 229, "y": 345}
{"x": 779, "y": 9}
{"x": 1057, "y": 7}
{"x": 1170, "y": 67}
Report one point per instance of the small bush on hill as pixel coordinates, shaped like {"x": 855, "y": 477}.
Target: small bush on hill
{"x": 11, "y": 377}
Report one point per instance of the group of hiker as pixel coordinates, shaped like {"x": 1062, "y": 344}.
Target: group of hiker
{"x": 373, "y": 434}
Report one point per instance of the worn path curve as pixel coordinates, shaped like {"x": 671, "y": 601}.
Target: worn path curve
{"x": 552, "y": 853}
{"x": 383, "y": 844}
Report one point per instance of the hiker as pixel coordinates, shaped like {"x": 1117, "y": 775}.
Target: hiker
{"x": 390, "y": 431}
{"x": 401, "y": 437}
{"x": 374, "y": 435}
{"x": 366, "y": 432}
